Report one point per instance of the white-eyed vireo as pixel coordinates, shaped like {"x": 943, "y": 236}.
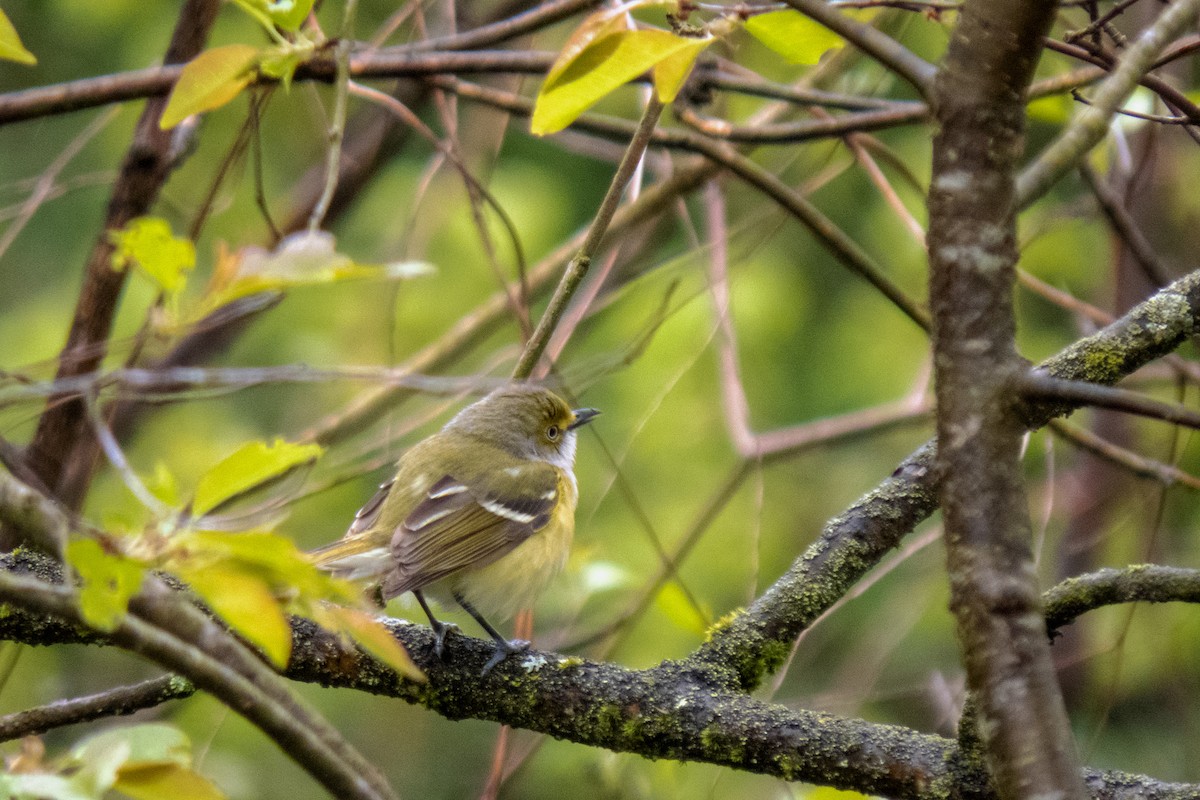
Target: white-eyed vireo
{"x": 481, "y": 512}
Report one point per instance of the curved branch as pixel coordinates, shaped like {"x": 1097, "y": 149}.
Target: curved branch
{"x": 341, "y": 770}
{"x": 116, "y": 702}
{"x": 669, "y": 711}
{"x": 1138, "y": 583}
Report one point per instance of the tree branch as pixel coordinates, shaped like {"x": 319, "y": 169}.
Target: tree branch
{"x": 63, "y": 453}
{"x": 669, "y": 711}
{"x": 116, "y": 702}
{"x": 1090, "y": 125}
{"x": 1022, "y": 720}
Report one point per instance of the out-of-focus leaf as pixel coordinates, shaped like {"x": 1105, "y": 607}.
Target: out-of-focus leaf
{"x": 162, "y": 484}
{"x": 250, "y": 465}
{"x": 289, "y": 15}
{"x": 280, "y": 62}
{"x": 148, "y": 244}
{"x": 168, "y": 782}
{"x": 246, "y": 602}
{"x": 302, "y": 259}
{"x": 151, "y": 744}
{"x": 42, "y": 787}
{"x": 146, "y": 762}
{"x": 673, "y": 602}
{"x": 272, "y": 557}
{"x": 210, "y": 80}
{"x": 108, "y": 582}
{"x": 10, "y": 43}
{"x": 829, "y": 793}
{"x": 608, "y": 62}
{"x": 794, "y": 36}
{"x": 373, "y": 637}
{"x": 672, "y": 71}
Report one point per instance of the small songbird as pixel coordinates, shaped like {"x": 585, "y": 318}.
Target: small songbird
{"x": 481, "y": 513}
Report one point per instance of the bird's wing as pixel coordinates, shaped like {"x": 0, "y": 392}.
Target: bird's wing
{"x": 462, "y": 524}
{"x": 366, "y": 517}
{"x": 357, "y": 555}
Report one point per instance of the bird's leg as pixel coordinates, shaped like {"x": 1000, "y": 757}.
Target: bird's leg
{"x": 439, "y": 628}
{"x": 504, "y": 647}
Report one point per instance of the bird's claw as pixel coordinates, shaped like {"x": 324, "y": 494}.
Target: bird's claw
{"x": 504, "y": 649}
{"x": 439, "y": 638}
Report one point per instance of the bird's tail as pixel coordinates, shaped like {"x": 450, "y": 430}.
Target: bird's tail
{"x": 353, "y": 558}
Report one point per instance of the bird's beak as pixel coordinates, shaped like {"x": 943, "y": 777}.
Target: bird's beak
{"x": 582, "y": 417}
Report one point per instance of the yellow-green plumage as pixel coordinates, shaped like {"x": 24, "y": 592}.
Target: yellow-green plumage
{"x": 482, "y": 512}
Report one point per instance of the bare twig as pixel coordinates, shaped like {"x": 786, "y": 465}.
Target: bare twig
{"x": 110, "y": 703}
{"x": 1089, "y": 126}
{"x": 1036, "y": 384}
{"x": 578, "y": 266}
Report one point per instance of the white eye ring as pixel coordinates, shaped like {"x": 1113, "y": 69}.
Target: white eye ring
{"x": 552, "y": 433}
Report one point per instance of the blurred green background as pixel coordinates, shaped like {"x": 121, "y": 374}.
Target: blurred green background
{"x": 813, "y": 342}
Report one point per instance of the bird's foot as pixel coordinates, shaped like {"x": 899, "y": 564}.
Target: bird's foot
{"x": 504, "y": 649}
{"x": 439, "y": 638}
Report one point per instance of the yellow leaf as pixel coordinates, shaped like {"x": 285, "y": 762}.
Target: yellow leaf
{"x": 373, "y": 637}
{"x": 251, "y": 465}
{"x": 208, "y": 81}
{"x": 10, "y": 43}
{"x": 166, "y": 780}
{"x": 672, "y": 71}
{"x": 246, "y": 602}
{"x": 605, "y": 64}
{"x": 273, "y": 558}
{"x": 147, "y": 243}
{"x": 596, "y": 26}
{"x": 794, "y": 36}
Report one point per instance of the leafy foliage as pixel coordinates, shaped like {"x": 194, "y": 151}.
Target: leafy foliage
{"x": 145, "y": 762}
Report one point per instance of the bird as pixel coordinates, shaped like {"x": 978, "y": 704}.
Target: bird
{"x": 481, "y": 513}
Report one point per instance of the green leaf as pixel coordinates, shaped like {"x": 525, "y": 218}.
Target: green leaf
{"x": 280, "y": 62}
{"x": 39, "y": 786}
{"x": 272, "y": 557}
{"x": 208, "y": 81}
{"x": 301, "y": 259}
{"x": 147, "y": 762}
{"x": 150, "y": 744}
{"x": 608, "y": 62}
{"x": 794, "y": 36}
{"x": 289, "y": 15}
{"x": 10, "y": 43}
{"x": 251, "y": 465}
{"x": 374, "y": 638}
{"x": 108, "y": 582}
{"x": 147, "y": 243}
{"x": 672, "y": 71}
{"x": 246, "y": 602}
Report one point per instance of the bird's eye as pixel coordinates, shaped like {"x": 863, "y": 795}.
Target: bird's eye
{"x": 552, "y": 433}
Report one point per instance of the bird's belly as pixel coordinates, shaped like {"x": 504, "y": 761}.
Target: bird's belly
{"x": 513, "y": 582}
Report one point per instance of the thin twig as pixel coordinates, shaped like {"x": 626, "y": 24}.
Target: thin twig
{"x": 578, "y": 266}
{"x": 1139, "y": 465}
{"x": 337, "y": 125}
{"x": 1088, "y": 127}
{"x": 116, "y": 702}
{"x": 1038, "y": 384}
